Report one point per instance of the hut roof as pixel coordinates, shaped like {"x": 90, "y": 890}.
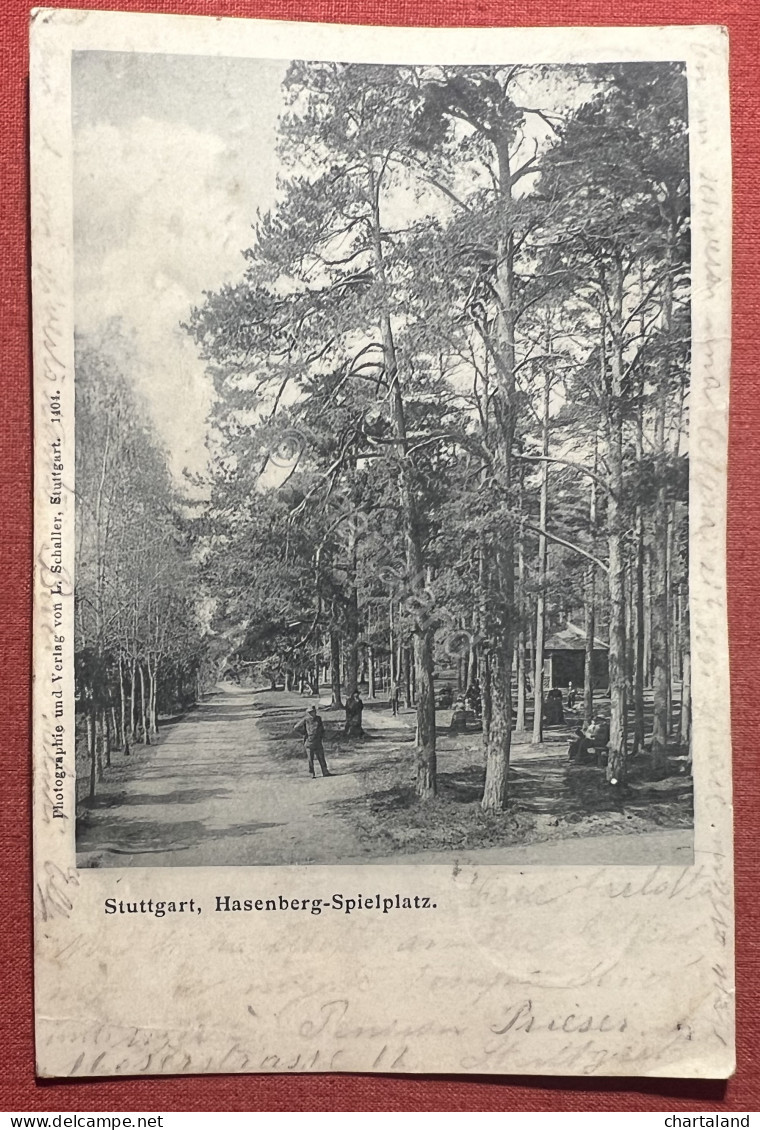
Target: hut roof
{"x": 571, "y": 638}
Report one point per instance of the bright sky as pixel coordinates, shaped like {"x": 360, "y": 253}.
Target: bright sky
{"x": 173, "y": 156}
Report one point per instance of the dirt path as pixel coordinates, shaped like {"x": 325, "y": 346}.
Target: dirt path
{"x": 228, "y": 785}
{"x": 218, "y": 791}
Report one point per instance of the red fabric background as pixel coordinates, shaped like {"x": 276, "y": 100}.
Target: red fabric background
{"x": 18, "y": 1088}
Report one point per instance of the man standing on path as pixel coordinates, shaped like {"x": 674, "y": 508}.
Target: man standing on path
{"x": 312, "y": 729}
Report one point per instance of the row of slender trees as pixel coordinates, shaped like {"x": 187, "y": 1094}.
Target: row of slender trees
{"x": 452, "y": 390}
{"x": 140, "y": 648}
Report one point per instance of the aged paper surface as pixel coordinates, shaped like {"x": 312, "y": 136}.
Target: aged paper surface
{"x": 458, "y": 415}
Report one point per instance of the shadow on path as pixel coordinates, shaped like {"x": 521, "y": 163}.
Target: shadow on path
{"x": 147, "y": 836}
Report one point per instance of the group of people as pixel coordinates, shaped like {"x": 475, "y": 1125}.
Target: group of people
{"x": 595, "y": 735}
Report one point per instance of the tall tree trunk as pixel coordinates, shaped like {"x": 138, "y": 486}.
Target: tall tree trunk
{"x": 106, "y": 729}
{"x": 521, "y": 679}
{"x": 660, "y": 544}
{"x": 669, "y": 550}
{"x": 425, "y": 694}
{"x": 92, "y": 751}
{"x": 538, "y": 684}
{"x": 659, "y": 637}
{"x": 152, "y": 710}
{"x": 406, "y": 675}
{"x": 123, "y": 707}
{"x": 639, "y": 563}
{"x": 676, "y": 629}
{"x": 472, "y": 659}
{"x": 647, "y": 622}
{"x": 150, "y": 691}
{"x": 144, "y": 707}
{"x": 484, "y": 598}
{"x": 335, "y": 668}
{"x": 639, "y": 650}
{"x": 426, "y": 784}
{"x": 499, "y": 731}
{"x": 588, "y": 658}
{"x": 485, "y": 691}
{"x": 521, "y": 656}
{"x": 392, "y": 667}
{"x": 133, "y": 703}
{"x": 685, "y": 726}
{"x": 316, "y": 682}
{"x": 498, "y": 743}
{"x": 589, "y": 602}
{"x": 155, "y": 697}
{"x": 613, "y": 417}
{"x": 351, "y": 649}
{"x": 99, "y": 741}
{"x": 630, "y": 622}
{"x": 371, "y": 689}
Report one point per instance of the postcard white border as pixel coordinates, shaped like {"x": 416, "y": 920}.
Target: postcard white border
{"x": 654, "y": 943}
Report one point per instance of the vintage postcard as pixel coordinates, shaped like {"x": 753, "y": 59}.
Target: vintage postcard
{"x": 381, "y": 713}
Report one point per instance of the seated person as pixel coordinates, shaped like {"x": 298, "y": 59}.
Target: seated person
{"x": 459, "y": 715}
{"x": 473, "y": 698}
{"x": 601, "y": 736}
{"x": 595, "y": 736}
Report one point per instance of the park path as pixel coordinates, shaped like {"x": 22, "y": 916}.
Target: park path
{"x": 228, "y": 785}
{"x": 219, "y": 791}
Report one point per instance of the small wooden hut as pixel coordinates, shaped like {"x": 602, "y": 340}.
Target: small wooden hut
{"x": 565, "y": 657}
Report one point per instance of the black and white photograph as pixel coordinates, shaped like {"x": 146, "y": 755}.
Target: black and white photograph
{"x": 382, "y": 702}
{"x": 382, "y": 462}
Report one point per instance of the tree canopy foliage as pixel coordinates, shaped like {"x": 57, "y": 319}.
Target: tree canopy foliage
{"x": 452, "y": 389}
{"x": 140, "y": 641}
